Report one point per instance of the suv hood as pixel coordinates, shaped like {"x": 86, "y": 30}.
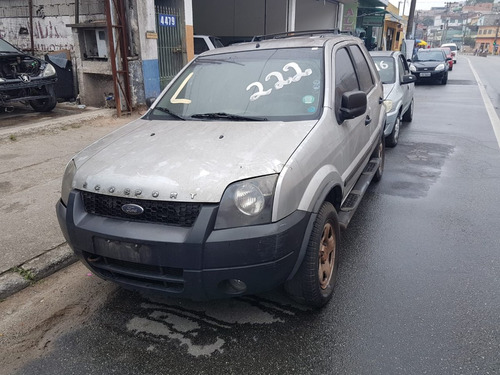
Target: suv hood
{"x": 185, "y": 160}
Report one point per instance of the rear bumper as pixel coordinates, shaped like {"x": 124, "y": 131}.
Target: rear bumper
{"x": 197, "y": 262}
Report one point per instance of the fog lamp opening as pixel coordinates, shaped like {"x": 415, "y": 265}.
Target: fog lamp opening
{"x": 233, "y": 286}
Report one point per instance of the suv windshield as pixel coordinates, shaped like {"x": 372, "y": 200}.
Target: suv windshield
{"x": 386, "y": 68}
{"x": 278, "y": 84}
{"x": 424, "y": 55}
{"x": 6, "y": 47}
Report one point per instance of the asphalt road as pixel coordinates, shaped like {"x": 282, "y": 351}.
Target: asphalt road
{"x": 417, "y": 293}
{"x": 487, "y": 69}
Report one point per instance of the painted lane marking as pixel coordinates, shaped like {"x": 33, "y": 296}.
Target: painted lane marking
{"x": 495, "y": 121}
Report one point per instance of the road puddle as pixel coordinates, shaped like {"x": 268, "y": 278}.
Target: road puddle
{"x": 206, "y": 328}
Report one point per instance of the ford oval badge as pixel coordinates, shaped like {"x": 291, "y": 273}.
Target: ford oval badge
{"x": 132, "y": 209}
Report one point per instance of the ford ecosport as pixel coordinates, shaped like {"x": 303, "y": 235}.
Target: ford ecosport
{"x": 240, "y": 176}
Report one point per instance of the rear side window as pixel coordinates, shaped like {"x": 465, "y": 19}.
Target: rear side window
{"x": 364, "y": 73}
{"x": 216, "y": 42}
{"x": 345, "y": 77}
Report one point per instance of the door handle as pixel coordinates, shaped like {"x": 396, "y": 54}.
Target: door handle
{"x": 380, "y": 100}
{"x": 368, "y": 120}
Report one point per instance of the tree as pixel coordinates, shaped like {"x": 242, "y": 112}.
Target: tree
{"x": 428, "y": 21}
{"x": 468, "y": 41}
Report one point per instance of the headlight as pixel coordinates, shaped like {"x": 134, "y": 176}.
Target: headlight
{"x": 248, "y": 202}
{"x": 412, "y": 68}
{"x": 439, "y": 67}
{"x": 67, "y": 182}
{"x": 48, "y": 71}
{"x": 388, "y": 105}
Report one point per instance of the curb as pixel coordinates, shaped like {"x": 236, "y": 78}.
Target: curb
{"x": 56, "y": 124}
{"x": 36, "y": 269}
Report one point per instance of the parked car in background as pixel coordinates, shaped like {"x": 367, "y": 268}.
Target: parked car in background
{"x": 240, "y": 176}
{"x": 25, "y": 79}
{"x": 454, "y": 50}
{"x": 449, "y": 55}
{"x": 399, "y": 85}
{"x": 204, "y": 43}
{"x": 430, "y": 64}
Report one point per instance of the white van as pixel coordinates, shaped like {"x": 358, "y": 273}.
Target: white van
{"x": 454, "y": 50}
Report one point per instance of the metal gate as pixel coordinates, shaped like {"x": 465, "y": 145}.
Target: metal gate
{"x": 171, "y": 35}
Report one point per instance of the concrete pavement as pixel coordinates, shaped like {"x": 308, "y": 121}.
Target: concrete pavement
{"x": 33, "y": 155}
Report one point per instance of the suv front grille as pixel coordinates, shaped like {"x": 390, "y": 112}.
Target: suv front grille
{"x": 172, "y": 213}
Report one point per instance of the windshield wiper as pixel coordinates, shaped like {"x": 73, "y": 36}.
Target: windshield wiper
{"x": 227, "y": 116}
{"x": 169, "y": 112}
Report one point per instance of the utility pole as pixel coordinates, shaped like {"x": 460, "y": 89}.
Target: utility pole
{"x": 410, "y": 34}
{"x": 495, "y": 47}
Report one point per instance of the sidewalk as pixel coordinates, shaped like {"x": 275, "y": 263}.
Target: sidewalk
{"x": 32, "y": 161}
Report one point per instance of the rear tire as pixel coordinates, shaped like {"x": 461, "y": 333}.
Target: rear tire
{"x": 392, "y": 139}
{"x": 315, "y": 279}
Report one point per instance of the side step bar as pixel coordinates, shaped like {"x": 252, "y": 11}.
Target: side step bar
{"x": 353, "y": 200}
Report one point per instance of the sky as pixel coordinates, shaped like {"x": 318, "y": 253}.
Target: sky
{"x": 421, "y": 4}
{"x": 428, "y": 4}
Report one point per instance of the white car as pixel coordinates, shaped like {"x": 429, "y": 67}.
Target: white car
{"x": 204, "y": 43}
{"x": 454, "y": 50}
{"x": 398, "y": 91}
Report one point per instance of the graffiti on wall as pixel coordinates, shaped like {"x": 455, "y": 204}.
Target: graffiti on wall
{"x": 49, "y": 33}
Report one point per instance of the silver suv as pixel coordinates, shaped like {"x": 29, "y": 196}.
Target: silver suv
{"x": 240, "y": 176}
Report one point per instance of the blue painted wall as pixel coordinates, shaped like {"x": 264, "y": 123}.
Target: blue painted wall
{"x": 151, "y": 75}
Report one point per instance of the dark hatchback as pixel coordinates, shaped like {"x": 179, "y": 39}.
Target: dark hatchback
{"x": 25, "y": 79}
{"x": 430, "y": 65}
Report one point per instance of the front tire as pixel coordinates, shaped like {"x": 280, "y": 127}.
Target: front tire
{"x": 47, "y": 104}
{"x": 392, "y": 139}
{"x": 379, "y": 153}
{"x": 445, "y": 79}
{"x": 408, "y": 115}
{"x": 315, "y": 279}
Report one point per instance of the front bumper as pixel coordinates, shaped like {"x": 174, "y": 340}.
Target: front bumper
{"x": 390, "y": 121}
{"x": 425, "y": 76}
{"x": 196, "y": 262}
{"x": 13, "y": 91}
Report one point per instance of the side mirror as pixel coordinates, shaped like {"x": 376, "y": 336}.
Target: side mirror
{"x": 150, "y": 101}
{"x": 408, "y": 78}
{"x": 448, "y": 59}
{"x": 354, "y": 104}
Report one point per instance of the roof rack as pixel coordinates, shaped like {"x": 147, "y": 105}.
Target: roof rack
{"x": 289, "y": 34}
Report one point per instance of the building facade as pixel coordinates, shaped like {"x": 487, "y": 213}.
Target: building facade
{"x": 124, "y": 51}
